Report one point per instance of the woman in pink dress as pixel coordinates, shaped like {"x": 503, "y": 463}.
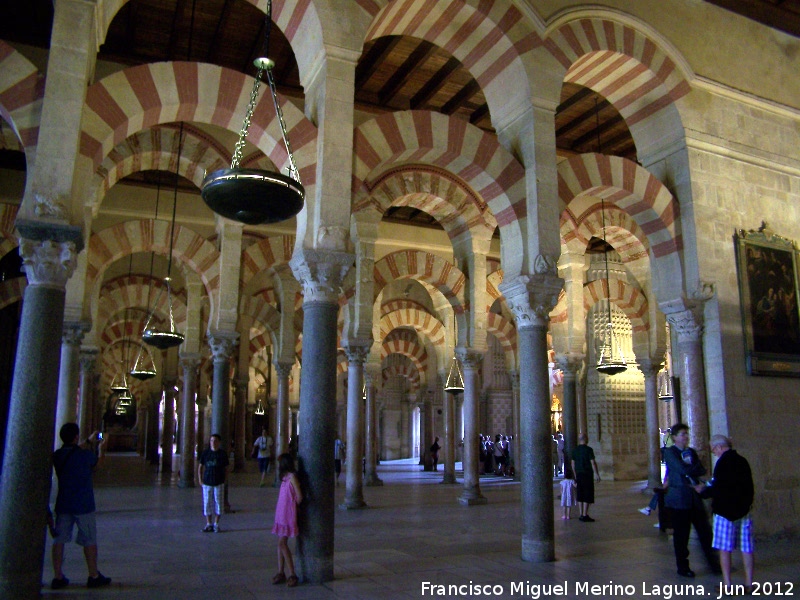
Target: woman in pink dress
{"x": 286, "y": 518}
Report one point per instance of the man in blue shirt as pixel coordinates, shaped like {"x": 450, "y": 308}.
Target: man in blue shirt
{"x": 74, "y": 463}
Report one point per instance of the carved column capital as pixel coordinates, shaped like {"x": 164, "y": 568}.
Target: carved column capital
{"x": 649, "y": 367}
{"x": 570, "y": 363}
{"x": 73, "y": 332}
{"x": 88, "y": 359}
{"x": 470, "y": 358}
{"x": 283, "y": 369}
{"x": 222, "y": 344}
{"x": 321, "y": 273}
{"x": 532, "y": 297}
{"x": 48, "y": 263}
{"x": 189, "y": 361}
{"x": 688, "y": 324}
{"x": 357, "y": 352}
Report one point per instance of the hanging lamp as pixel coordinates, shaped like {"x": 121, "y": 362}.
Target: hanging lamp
{"x": 120, "y": 383}
{"x": 255, "y": 196}
{"x": 612, "y": 360}
{"x": 164, "y": 339}
{"x": 454, "y": 383}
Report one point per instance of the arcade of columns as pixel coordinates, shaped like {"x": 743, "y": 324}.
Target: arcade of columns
{"x": 337, "y": 283}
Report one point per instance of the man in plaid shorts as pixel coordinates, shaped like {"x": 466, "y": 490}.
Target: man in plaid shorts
{"x": 731, "y": 493}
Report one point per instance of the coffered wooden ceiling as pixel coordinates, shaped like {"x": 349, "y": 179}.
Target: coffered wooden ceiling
{"x": 394, "y": 73}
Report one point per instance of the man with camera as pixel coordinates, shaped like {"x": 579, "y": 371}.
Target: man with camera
{"x": 74, "y": 463}
{"x": 684, "y": 470}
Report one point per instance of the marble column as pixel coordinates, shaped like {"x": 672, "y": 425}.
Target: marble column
{"x": 151, "y": 449}
{"x": 88, "y": 362}
{"x": 471, "y": 364}
{"x": 222, "y": 344}
{"x": 189, "y": 363}
{"x": 513, "y": 375}
{"x": 650, "y": 369}
{"x": 67, "y": 406}
{"x": 427, "y": 434}
{"x": 239, "y": 415}
{"x": 449, "y": 444}
{"x": 356, "y": 355}
{"x": 569, "y": 364}
{"x": 168, "y": 427}
{"x": 320, "y": 274}
{"x": 49, "y": 257}
{"x": 531, "y": 299}
{"x": 141, "y": 427}
{"x": 282, "y": 425}
{"x": 371, "y": 432}
{"x": 688, "y": 325}
{"x": 202, "y": 431}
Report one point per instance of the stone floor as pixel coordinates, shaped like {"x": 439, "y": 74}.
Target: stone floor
{"x": 414, "y": 531}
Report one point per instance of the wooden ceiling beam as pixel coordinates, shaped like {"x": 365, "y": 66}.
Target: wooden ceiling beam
{"x": 377, "y": 54}
{"x": 583, "y": 118}
{"x": 596, "y": 132}
{"x": 255, "y": 49}
{"x": 399, "y": 78}
{"x": 434, "y": 84}
{"x": 479, "y": 113}
{"x": 574, "y": 99}
{"x": 222, "y": 24}
{"x": 464, "y": 94}
{"x": 173, "y": 36}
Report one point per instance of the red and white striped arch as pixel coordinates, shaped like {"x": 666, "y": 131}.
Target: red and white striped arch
{"x": 505, "y": 333}
{"x": 423, "y": 322}
{"x": 488, "y": 38}
{"x": 622, "y": 232}
{"x": 425, "y": 267}
{"x": 266, "y": 254}
{"x": 620, "y": 62}
{"x": 8, "y": 239}
{"x": 264, "y": 315}
{"x": 406, "y": 343}
{"x": 259, "y": 342}
{"x": 493, "y": 281}
{"x": 123, "y": 329}
{"x": 629, "y": 298}
{"x": 145, "y": 96}
{"x": 452, "y": 144}
{"x": 406, "y": 368}
{"x": 12, "y": 290}
{"x": 157, "y": 149}
{"x": 436, "y": 192}
{"x": 21, "y": 95}
{"x": 585, "y": 178}
{"x": 133, "y": 292}
{"x": 189, "y": 249}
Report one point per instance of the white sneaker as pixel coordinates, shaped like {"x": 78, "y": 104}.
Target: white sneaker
{"x": 216, "y": 528}
{"x": 645, "y": 510}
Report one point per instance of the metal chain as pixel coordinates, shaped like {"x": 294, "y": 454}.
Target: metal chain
{"x": 237, "y": 151}
{"x": 293, "y": 172}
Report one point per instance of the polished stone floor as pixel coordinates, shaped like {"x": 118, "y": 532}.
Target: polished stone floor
{"x": 413, "y": 532}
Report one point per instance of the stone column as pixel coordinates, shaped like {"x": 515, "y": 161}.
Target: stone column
{"x": 570, "y": 363}
{"x": 88, "y": 361}
{"x": 356, "y": 355}
{"x": 449, "y": 445}
{"x": 239, "y": 415}
{"x": 320, "y": 274}
{"x": 222, "y": 344}
{"x": 151, "y": 449}
{"x": 282, "y": 430}
{"x": 67, "y": 407}
{"x": 471, "y": 364}
{"x": 49, "y": 257}
{"x": 168, "y": 427}
{"x": 688, "y": 325}
{"x": 513, "y": 375}
{"x": 189, "y": 363}
{"x": 371, "y": 431}
{"x": 650, "y": 369}
{"x": 427, "y": 431}
{"x": 531, "y": 299}
{"x": 202, "y": 434}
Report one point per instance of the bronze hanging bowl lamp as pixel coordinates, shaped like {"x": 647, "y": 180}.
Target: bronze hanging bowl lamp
{"x": 141, "y": 370}
{"x": 255, "y": 196}
{"x": 455, "y": 379}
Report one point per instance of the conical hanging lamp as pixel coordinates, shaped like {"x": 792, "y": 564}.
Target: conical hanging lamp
{"x": 141, "y": 370}
{"x": 254, "y": 196}
{"x": 454, "y": 383}
{"x": 120, "y": 383}
{"x": 612, "y": 360}
{"x": 167, "y": 338}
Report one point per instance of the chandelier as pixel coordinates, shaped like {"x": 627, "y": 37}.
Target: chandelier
{"x": 254, "y": 196}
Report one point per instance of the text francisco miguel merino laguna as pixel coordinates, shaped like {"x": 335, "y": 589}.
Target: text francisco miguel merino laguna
{"x": 526, "y": 589}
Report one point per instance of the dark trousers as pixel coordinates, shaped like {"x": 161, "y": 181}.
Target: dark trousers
{"x": 682, "y": 520}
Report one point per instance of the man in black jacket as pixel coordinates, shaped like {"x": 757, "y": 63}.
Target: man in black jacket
{"x": 731, "y": 493}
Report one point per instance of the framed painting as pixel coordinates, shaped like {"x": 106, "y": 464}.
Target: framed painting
{"x": 768, "y": 289}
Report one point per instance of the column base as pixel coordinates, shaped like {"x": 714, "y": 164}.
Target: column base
{"x": 353, "y": 505}
{"x": 449, "y": 478}
{"x": 472, "y": 499}
{"x": 373, "y": 481}
{"x": 538, "y": 550}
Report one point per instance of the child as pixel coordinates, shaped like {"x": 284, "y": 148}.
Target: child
{"x": 286, "y": 518}
{"x": 568, "y": 486}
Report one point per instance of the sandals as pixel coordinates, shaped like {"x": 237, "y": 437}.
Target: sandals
{"x": 279, "y": 578}
{"x": 292, "y": 581}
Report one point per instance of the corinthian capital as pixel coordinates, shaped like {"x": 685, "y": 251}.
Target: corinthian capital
{"x": 470, "y": 359}
{"x": 73, "y": 332}
{"x": 570, "y": 363}
{"x": 688, "y": 324}
{"x": 531, "y": 298}
{"x": 222, "y": 344}
{"x": 283, "y": 369}
{"x": 88, "y": 359}
{"x": 649, "y": 367}
{"x": 321, "y": 273}
{"x": 48, "y": 263}
{"x": 357, "y": 352}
